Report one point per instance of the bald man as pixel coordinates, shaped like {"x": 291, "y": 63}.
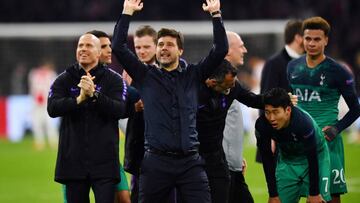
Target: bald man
{"x": 90, "y": 99}
{"x": 234, "y": 130}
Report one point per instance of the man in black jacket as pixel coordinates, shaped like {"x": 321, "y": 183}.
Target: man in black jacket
{"x": 214, "y": 102}
{"x": 274, "y": 73}
{"x": 90, "y": 98}
{"x": 145, "y": 48}
{"x": 170, "y": 96}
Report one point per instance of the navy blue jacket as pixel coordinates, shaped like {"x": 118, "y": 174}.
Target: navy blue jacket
{"x": 274, "y": 73}
{"x": 170, "y": 98}
{"x": 89, "y": 134}
{"x": 212, "y": 111}
{"x": 298, "y": 143}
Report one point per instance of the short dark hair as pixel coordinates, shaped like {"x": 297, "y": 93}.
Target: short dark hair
{"x": 164, "y": 32}
{"x": 146, "y": 30}
{"x": 277, "y": 97}
{"x": 316, "y": 23}
{"x": 98, "y": 33}
{"x": 292, "y": 28}
{"x": 222, "y": 70}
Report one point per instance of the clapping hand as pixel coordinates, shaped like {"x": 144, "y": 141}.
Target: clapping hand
{"x": 87, "y": 87}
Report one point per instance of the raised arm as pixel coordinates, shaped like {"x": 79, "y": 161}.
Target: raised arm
{"x": 133, "y": 66}
{"x": 220, "y": 46}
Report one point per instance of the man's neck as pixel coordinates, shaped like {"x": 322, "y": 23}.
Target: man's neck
{"x": 293, "y": 50}
{"x": 313, "y": 61}
{"x": 88, "y": 67}
{"x": 235, "y": 65}
{"x": 151, "y": 62}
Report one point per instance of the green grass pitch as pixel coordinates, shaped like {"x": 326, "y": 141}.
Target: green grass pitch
{"x": 27, "y": 175}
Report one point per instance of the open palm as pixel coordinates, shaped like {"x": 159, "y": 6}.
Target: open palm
{"x": 211, "y": 5}
{"x": 133, "y": 5}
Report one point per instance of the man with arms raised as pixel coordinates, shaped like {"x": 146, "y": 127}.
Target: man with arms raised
{"x": 170, "y": 96}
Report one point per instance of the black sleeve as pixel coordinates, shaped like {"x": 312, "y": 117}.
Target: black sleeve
{"x": 305, "y": 128}
{"x": 347, "y": 90}
{"x": 132, "y": 97}
{"x": 312, "y": 157}
{"x": 133, "y": 66}
{"x": 133, "y": 94}
{"x": 247, "y": 97}
{"x": 59, "y": 102}
{"x": 288, "y": 76}
{"x": 268, "y": 159}
{"x": 114, "y": 102}
{"x": 218, "y": 51}
{"x": 269, "y": 77}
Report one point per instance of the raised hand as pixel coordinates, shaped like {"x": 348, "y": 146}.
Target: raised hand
{"x": 130, "y": 6}
{"x": 211, "y": 6}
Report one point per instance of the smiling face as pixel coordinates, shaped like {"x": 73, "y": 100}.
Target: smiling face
{"x": 278, "y": 117}
{"x": 237, "y": 49}
{"x": 315, "y": 42}
{"x": 145, "y": 48}
{"x": 88, "y": 51}
{"x": 168, "y": 52}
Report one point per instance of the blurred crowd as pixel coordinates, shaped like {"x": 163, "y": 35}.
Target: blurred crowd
{"x": 342, "y": 15}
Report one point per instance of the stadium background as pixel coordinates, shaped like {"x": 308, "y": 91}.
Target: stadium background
{"x": 34, "y": 31}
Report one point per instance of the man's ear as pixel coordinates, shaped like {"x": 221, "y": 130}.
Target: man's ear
{"x": 326, "y": 40}
{"x": 210, "y": 82}
{"x": 298, "y": 38}
{"x": 288, "y": 109}
{"x": 180, "y": 52}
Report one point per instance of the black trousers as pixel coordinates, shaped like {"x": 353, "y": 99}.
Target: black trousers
{"x": 134, "y": 189}
{"x": 160, "y": 174}
{"x": 239, "y": 190}
{"x": 217, "y": 170}
{"x": 135, "y": 192}
{"x": 78, "y": 191}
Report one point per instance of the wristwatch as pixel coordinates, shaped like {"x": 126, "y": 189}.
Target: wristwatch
{"x": 216, "y": 12}
{"x": 95, "y": 95}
